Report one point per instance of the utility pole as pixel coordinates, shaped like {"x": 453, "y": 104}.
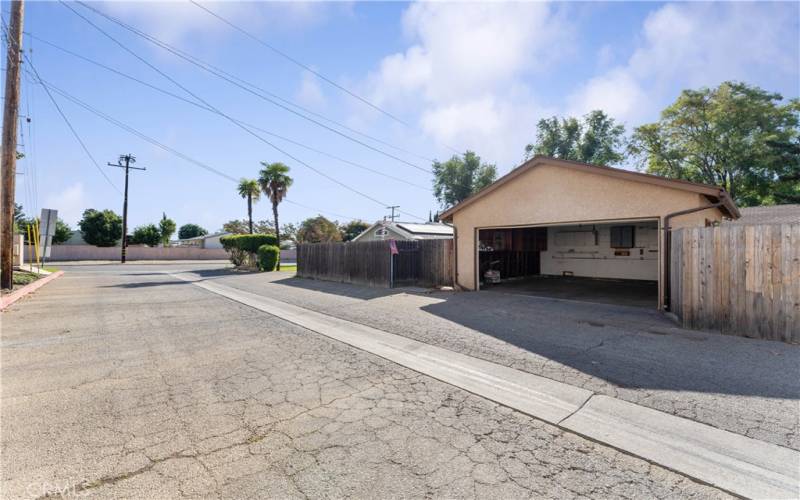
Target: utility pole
{"x": 128, "y": 159}
{"x": 393, "y": 207}
{"x": 8, "y": 156}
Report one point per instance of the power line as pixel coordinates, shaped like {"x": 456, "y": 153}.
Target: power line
{"x": 196, "y": 104}
{"x": 64, "y": 117}
{"x": 300, "y": 64}
{"x": 165, "y": 147}
{"x": 216, "y": 110}
{"x": 247, "y": 87}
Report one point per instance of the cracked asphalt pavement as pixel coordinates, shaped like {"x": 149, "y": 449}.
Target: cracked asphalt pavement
{"x": 124, "y": 382}
{"x": 750, "y": 387}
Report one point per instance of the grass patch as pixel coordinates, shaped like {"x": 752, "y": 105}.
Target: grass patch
{"x": 50, "y": 269}
{"x": 22, "y": 278}
{"x": 289, "y": 267}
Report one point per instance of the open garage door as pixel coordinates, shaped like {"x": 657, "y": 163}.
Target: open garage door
{"x": 611, "y": 262}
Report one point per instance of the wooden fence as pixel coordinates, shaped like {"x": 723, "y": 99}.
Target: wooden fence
{"x": 418, "y": 263}
{"x": 739, "y": 279}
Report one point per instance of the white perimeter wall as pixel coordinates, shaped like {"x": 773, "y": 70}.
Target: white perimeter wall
{"x": 572, "y": 248}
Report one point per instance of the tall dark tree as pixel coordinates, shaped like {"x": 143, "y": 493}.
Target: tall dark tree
{"x": 460, "y": 177}
{"x": 596, "y": 138}
{"x": 353, "y": 229}
{"x": 736, "y": 136}
{"x": 101, "y": 228}
{"x": 318, "y": 230}
{"x": 249, "y": 190}
{"x": 191, "y": 231}
{"x": 275, "y": 182}
{"x": 148, "y": 234}
{"x": 167, "y": 228}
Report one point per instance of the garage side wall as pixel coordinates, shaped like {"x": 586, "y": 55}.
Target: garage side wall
{"x": 549, "y": 194}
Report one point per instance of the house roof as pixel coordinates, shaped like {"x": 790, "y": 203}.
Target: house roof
{"x": 774, "y": 214}
{"x": 205, "y": 236}
{"x": 712, "y": 192}
{"x": 412, "y": 230}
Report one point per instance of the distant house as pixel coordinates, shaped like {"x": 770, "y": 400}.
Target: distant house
{"x": 205, "y": 241}
{"x": 388, "y": 230}
{"x": 775, "y": 214}
{"x": 76, "y": 238}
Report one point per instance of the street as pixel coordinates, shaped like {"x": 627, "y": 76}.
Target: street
{"x": 124, "y": 381}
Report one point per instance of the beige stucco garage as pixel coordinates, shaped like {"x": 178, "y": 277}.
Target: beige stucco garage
{"x": 563, "y": 218}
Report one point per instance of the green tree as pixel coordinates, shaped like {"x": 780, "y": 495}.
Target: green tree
{"x": 249, "y": 189}
{"x": 460, "y": 177}
{"x": 274, "y": 181}
{"x": 736, "y": 136}
{"x": 167, "y": 228}
{"x": 596, "y": 138}
{"x": 318, "y": 230}
{"x": 191, "y": 231}
{"x": 148, "y": 234}
{"x": 289, "y": 233}
{"x": 19, "y": 216}
{"x": 101, "y": 228}
{"x": 63, "y": 232}
{"x": 353, "y": 229}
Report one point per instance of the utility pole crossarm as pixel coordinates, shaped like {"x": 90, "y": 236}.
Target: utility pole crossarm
{"x": 128, "y": 159}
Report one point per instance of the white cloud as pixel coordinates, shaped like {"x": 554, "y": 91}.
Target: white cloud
{"x": 692, "y": 45}
{"x": 174, "y": 21}
{"x": 70, "y": 203}
{"x": 465, "y": 69}
{"x": 310, "y": 93}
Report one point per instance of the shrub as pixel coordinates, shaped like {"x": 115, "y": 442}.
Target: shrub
{"x": 268, "y": 257}
{"x": 242, "y": 248}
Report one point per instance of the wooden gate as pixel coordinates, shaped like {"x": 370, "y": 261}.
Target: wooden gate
{"x": 425, "y": 263}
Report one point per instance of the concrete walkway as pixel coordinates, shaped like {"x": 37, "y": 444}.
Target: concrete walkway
{"x": 737, "y": 464}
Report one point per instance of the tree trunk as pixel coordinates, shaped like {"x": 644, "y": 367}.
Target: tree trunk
{"x": 250, "y": 211}
{"x": 277, "y": 233}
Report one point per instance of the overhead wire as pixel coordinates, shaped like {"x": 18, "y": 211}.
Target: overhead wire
{"x": 306, "y": 67}
{"x": 300, "y": 64}
{"x": 206, "y": 108}
{"x": 246, "y": 86}
{"x": 75, "y": 100}
{"x": 61, "y": 113}
{"x": 221, "y": 113}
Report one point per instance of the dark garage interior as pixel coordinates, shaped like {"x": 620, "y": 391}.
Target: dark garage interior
{"x": 589, "y": 262}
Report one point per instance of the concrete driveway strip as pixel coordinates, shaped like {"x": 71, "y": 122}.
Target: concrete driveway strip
{"x": 735, "y": 463}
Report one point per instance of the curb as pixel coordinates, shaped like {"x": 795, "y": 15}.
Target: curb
{"x": 14, "y": 296}
{"x": 733, "y": 463}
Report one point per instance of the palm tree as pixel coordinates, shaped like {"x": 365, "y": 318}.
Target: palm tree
{"x": 275, "y": 181}
{"x": 248, "y": 188}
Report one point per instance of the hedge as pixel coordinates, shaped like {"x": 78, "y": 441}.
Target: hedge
{"x": 268, "y": 257}
{"x": 242, "y": 248}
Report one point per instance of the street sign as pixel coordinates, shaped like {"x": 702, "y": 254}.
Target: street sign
{"x": 47, "y": 228}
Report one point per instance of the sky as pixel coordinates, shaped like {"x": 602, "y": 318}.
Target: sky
{"x": 442, "y": 77}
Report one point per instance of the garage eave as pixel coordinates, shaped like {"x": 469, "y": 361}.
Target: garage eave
{"x": 713, "y": 192}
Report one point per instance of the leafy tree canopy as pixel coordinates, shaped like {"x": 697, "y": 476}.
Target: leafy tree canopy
{"x": 353, "y": 229}
{"x": 736, "y": 136}
{"x": 101, "y": 228}
{"x": 191, "y": 231}
{"x": 318, "y": 230}
{"x": 148, "y": 234}
{"x": 63, "y": 232}
{"x": 596, "y": 138}
{"x": 461, "y": 176}
{"x": 166, "y": 227}
{"x": 242, "y": 227}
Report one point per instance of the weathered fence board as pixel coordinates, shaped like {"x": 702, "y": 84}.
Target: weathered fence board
{"x": 740, "y": 280}
{"x": 418, "y": 263}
